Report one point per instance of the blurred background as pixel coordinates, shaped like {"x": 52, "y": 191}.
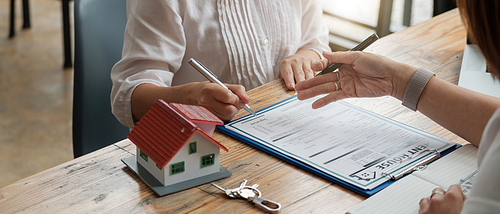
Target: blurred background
{"x": 36, "y": 91}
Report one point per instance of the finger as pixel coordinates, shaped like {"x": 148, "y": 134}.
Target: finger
{"x": 287, "y": 75}
{"x": 319, "y": 65}
{"x": 308, "y": 72}
{"x": 342, "y": 57}
{"x": 224, "y": 96}
{"x": 310, "y": 83}
{"x": 298, "y": 72}
{"x": 456, "y": 190}
{"x": 439, "y": 190}
{"x": 223, "y": 111}
{"x": 424, "y": 205}
{"x": 325, "y": 88}
{"x": 337, "y": 75}
{"x": 332, "y": 97}
{"x": 240, "y": 91}
{"x": 437, "y": 194}
{"x": 212, "y": 94}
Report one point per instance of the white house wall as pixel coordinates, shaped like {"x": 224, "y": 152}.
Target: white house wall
{"x": 150, "y": 165}
{"x": 192, "y": 162}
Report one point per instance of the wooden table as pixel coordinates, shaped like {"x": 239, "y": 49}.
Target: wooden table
{"x": 100, "y": 182}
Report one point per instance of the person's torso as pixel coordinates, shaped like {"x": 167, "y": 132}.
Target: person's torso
{"x": 242, "y": 42}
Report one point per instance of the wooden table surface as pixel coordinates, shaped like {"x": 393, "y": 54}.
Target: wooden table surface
{"x": 99, "y": 182}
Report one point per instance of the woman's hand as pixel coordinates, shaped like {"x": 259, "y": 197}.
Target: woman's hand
{"x": 220, "y": 101}
{"x": 362, "y": 75}
{"x": 441, "y": 201}
{"x": 297, "y": 67}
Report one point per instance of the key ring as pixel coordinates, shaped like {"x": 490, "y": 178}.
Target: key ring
{"x": 266, "y": 204}
{"x": 254, "y": 192}
{"x": 251, "y": 193}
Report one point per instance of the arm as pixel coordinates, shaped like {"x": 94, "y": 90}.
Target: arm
{"x": 153, "y": 51}
{"x": 461, "y": 111}
{"x": 216, "y": 99}
{"x": 152, "y": 27}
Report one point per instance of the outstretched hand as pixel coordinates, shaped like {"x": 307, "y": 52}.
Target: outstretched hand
{"x": 362, "y": 75}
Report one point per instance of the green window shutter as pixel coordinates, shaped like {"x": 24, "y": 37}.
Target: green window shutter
{"x": 144, "y": 156}
{"x": 192, "y": 148}
{"x": 177, "y": 168}
{"x": 207, "y": 160}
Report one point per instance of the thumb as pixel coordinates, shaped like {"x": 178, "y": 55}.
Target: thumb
{"x": 319, "y": 65}
{"x": 342, "y": 57}
{"x": 455, "y": 189}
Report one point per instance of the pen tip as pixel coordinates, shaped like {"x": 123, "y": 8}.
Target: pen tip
{"x": 250, "y": 110}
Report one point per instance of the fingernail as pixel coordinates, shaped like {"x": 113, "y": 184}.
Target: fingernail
{"x": 241, "y": 105}
{"x": 291, "y": 85}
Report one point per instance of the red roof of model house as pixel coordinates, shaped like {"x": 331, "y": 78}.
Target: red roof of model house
{"x": 197, "y": 114}
{"x": 165, "y": 128}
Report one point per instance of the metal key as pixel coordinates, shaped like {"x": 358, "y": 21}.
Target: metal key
{"x": 244, "y": 183}
{"x": 229, "y": 192}
{"x": 233, "y": 193}
{"x": 252, "y": 194}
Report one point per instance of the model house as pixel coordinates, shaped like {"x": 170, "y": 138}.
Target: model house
{"x": 175, "y": 144}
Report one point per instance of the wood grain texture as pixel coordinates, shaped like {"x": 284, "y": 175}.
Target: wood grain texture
{"x": 100, "y": 183}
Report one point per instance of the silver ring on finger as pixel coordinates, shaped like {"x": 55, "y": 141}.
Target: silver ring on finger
{"x": 436, "y": 192}
{"x": 338, "y": 75}
{"x": 336, "y": 86}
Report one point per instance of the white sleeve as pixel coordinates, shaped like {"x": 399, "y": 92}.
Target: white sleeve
{"x": 153, "y": 49}
{"x": 485, "y": 193}
{"x": 314, "y": 30}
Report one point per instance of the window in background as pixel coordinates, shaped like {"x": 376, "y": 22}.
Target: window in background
{"x": 352, "y": 21}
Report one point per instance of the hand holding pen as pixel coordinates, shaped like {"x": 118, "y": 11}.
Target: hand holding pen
{"x": 212, "y": 78}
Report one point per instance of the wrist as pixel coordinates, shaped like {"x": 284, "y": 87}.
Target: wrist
{"x": 188, "y": 93}
{"x": 415, "y": 87}
{"x": 401, "y": 77}
{"x": 310, "y": 53}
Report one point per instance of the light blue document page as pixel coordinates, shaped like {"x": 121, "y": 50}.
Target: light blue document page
{"x": 344, "y": 141}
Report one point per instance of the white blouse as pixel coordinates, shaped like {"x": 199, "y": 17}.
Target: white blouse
{"x": 242, "y": 42}
{"x": 485, "y": 193}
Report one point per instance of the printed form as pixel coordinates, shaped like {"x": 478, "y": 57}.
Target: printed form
{"x": 344, "y": 141}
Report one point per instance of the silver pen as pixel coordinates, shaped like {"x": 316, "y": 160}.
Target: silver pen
{"x": 361, "y": 46}
{"x": 211, "y": 76}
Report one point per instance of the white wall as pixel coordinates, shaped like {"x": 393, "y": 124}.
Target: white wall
{"x": 192, "y": 162}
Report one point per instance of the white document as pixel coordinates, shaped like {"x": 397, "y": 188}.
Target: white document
{"x": 403, "y": 196}
{"x": 344, "y": 141}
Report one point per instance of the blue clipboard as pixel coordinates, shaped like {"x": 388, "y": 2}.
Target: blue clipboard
{"x": 302, "y": 165}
